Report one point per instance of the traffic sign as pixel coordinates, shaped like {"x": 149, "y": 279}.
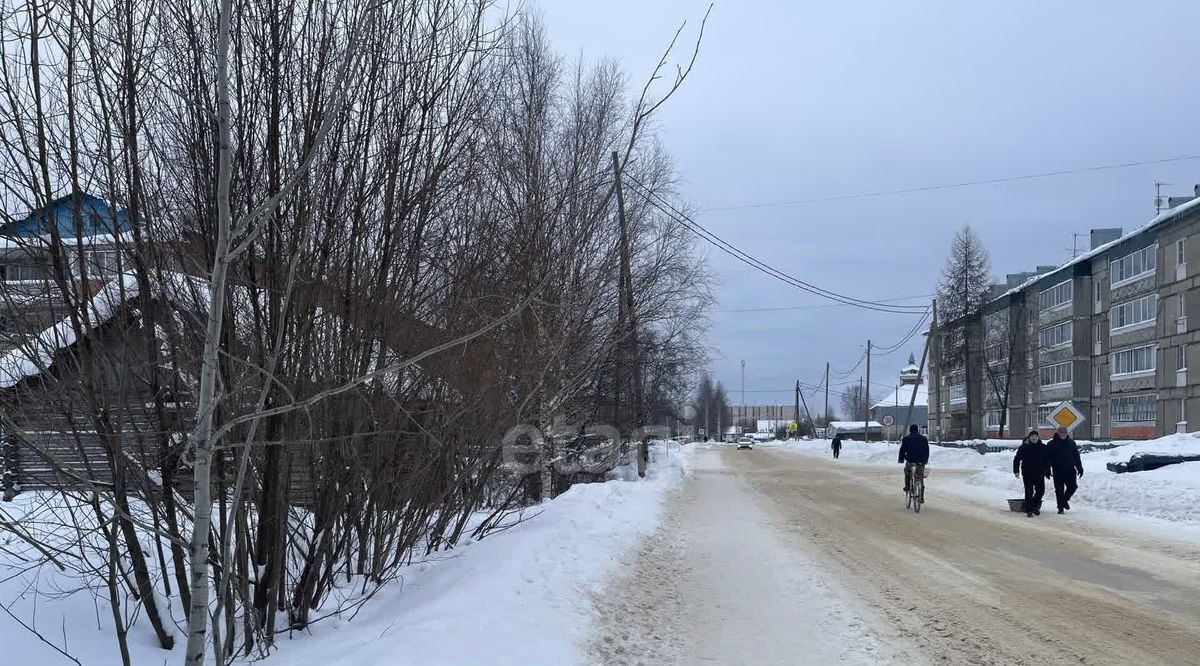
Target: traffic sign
{"x": 888, "y": 421}
{"x": 1066, "y": 415}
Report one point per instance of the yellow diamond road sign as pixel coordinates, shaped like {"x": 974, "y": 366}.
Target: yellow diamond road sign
{"x": 1066, "y": 415}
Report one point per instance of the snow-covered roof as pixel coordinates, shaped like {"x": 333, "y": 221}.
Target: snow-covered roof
{"x": 1162, "y": 217}
{"x": 853, "y": 426}
{"x": 43, "y": 242}
{"x": 33, "y": 356}
{"x": 902, "y": 395}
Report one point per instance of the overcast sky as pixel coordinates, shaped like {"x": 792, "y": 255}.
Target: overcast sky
{"x": 799, "y": 100}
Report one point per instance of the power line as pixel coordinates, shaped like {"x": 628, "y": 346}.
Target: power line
{"x": 843, "y": 375}
{"x": 823, "y": 305}
{"x": 948, "y": 186}
{"x": 892, "y": 349}
{"x": 679, "y": 216}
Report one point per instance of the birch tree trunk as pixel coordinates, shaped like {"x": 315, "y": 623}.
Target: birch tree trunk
{"x": 206, "y": 401}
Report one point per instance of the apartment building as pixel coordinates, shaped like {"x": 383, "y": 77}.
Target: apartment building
{"x": 1108, "y": 330}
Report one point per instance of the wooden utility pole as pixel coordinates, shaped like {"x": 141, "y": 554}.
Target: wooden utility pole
{"x": 797, "y": 413}
{"x": 801, "y": 394}
{"x": 627, "y": 320}
{"x": 867, "y": 398}
{"x": 825, "y": 416}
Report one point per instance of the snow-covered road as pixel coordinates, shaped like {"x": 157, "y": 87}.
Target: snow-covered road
{"x": 725, "y": 582}
{"x": 768, "y": 557}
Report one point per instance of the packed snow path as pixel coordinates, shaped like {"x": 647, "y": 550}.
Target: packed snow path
{"x": 767, "y": 557}
{"x": 723, "y": 582}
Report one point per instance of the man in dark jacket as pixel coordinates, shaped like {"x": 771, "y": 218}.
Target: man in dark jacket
{"x": 836, "y": 445}
{"x": 1064, "y": 460}
{"x": 914, "y": 450}
{"x": 1031, "y": 461}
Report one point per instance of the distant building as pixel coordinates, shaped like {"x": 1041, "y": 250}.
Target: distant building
{"x": 855, "y": 430}
{"x": 748, "y": 416}
{"x": 86, "y": 228}
{"x": 1114, "y": 331}
{"x": 894, "y": 407}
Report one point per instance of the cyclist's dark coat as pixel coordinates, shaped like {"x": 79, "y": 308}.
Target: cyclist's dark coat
{"x": 914, "y": 448}
{"x": 1032, "y": 459}
{"x": 1063, "y": 455}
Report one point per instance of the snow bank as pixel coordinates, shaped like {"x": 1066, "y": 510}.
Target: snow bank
{"x": 519, "y": 597}
{"x": 1171, "y": 493}
{"x": 70, "y": 608}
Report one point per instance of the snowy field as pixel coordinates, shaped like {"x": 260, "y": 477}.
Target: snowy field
{"x": 1170, "y": 493}
{"x": 537, "y": 578}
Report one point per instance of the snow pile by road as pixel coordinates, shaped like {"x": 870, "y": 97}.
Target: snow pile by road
{"x": 1171, "y": 493}
{"x": 519, "y": 597}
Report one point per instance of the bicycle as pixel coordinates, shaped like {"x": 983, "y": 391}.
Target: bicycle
{"x": 916, "y": 489}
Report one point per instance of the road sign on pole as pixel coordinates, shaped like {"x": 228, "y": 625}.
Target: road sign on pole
{"x": 888, "y": 420}
{"x": 1066, "y": 415}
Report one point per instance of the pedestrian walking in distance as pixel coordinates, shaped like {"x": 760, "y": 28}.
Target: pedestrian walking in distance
{"x": 1065, "y": 465}
{"x": 1032, "y": 465}
{"x": 914, "y": 450}
{"x": 836, "y": 445}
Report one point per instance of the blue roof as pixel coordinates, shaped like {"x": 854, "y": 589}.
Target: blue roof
{"x": 97, "y": 220}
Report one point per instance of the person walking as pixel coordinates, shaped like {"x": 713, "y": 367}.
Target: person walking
{"x": 914, "y": 452}
{"x": 1065, "y": 465}
{"x": 836, "y": 445}
{"x": 1032, "y": 465}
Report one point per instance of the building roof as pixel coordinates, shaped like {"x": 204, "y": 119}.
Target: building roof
{"x": 853, "y": 426}
{"x": 33, "y": 356}
{"x": 1165, "y": 216}
{"x": 902, "y": 395}
{"x": 97, "y": 219}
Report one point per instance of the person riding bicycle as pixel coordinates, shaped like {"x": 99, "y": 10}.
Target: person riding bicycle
{"x": 914, "y": 450}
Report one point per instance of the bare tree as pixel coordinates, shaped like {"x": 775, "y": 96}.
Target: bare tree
{"x": 323, "y": 308}
{"x": 855, "y": 402}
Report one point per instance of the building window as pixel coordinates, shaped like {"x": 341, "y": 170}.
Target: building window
{"x": 1134, "y": 409}
{"x": 995, "y": 353}
{"x": 1181, "y": 251}
{"x": 1138, "y": 312}
{"x": 993, "y": 418}
{"x": 1134, "y": 266}
{"x": 21, "y": 273}
{"x": 1181, "y": 358}
{"x": 1137, "y": 360}
{"x": 1058, "y": 335}
{"x": 958, "y": 394}
{"x": 1055, "y": 375}
{"x": 1181, "y": 305}
{"x": 1043, "y": 414}
{"x": 1055, "y": 296}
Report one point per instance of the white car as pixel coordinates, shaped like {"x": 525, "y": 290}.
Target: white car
{"x": 745, "y": 443}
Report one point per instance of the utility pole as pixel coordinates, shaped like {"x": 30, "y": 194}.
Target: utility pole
{"x": 921, "y": 374}
{"x": 825, "y": 416}
{"x": 707, "y": 430}
{"x": 810, "y": 418}
{"x": 860, "y": 395}
{"x": 743, "y": 384}
{"x": 867, "y": 397}
{"x": 743, "y": 409}
{"x": 627, "y": 320}
{"x": 797, "y": 413}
